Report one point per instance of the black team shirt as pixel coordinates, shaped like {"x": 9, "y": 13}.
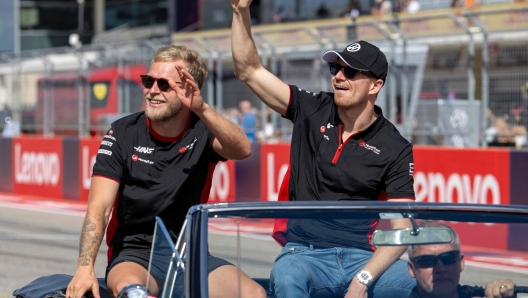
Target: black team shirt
{"x": 157, "y": 176}
{"x": 374, "y": 164}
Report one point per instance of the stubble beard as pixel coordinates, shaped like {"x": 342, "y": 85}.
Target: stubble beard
{"x": 348, "y": 102}
{"x": 163, "y": 115}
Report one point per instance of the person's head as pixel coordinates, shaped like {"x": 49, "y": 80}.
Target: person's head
{"x": 245, "y": 106}
{"x": 358, "y": 73}
{"x": 161, "y": 102}
{"x": 436, "y": 267}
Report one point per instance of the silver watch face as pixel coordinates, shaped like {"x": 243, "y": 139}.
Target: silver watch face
{"x": 364, "y": 277}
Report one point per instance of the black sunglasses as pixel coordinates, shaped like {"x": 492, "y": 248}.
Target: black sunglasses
{"x": 350, "y": 72}
{"x": 428, "y": 261}
{"x": 148, "y": 82}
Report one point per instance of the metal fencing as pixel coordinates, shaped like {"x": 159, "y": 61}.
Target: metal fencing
{"x": 465, "y": 68}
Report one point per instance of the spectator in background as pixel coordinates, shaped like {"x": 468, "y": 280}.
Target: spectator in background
{"x": 456, "y": 4}
{"x": 352, "y": 11}
{"x": 399, "y": 6}
{"x": 381, "y": 8}
{"x": 471, "y": 4}
{"x": 12, "y": 126}
{"x": 322, "y": 12}
{"x": 280, "y": 16}
{"x": 232, "y": 114}
{"x": 413, "y": 6}
{"x": 249, "y": 120}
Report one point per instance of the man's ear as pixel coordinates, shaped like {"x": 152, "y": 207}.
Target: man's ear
{"x": 462, "y": 263}
{"x": 376, "y": 87}
{"x": 411, "y": 270}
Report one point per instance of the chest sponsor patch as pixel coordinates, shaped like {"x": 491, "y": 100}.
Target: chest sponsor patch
{"x": 137, "y": 158}
{"x": 188, "y": 147}
{"x": 367, "y": 146}
{"x": 142, "y": 149}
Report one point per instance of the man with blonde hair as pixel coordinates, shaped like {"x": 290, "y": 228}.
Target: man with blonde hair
{"x": 158, "y": 163}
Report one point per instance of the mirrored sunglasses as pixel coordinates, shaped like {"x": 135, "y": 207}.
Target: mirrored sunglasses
{"x": 428, "y": 261}
{"x": 148, "y": 82}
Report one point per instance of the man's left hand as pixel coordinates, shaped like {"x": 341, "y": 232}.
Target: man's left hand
{"x": 356, "y": 289}
{"x": 500, "y": 288}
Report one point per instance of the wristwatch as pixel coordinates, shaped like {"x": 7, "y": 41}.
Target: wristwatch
{"x": 364, "y": 277}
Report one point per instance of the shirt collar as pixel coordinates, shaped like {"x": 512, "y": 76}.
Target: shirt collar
{"x": 367, "y": 133}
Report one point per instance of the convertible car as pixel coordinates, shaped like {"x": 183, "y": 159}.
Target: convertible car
{"x": 493, "y": 238}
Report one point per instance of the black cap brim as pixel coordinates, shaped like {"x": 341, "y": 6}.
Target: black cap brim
{"x": 333, "y": 56}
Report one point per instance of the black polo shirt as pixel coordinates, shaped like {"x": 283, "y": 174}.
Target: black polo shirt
{"x": 374, "y": 164}
{"x": 157, "y": 176}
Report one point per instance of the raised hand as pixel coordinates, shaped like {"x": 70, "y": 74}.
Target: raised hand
{"x": 188, "y": 92}
{"x": 240, "y": 4}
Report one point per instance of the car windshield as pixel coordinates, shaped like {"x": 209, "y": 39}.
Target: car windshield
{"x": 251, "y": 237}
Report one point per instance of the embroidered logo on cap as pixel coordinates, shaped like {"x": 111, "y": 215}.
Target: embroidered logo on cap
{"x": 354, "y": 47}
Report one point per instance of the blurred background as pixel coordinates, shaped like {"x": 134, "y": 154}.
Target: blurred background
{"x": 458, "y": 68}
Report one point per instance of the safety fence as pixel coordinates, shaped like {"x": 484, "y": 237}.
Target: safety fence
{"x": 457, "y": 77}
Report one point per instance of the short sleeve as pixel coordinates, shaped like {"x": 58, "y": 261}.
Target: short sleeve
{"x": 109, "y": 161}
{"x": 304, "y": 103}
{"x": 399, "y": 182}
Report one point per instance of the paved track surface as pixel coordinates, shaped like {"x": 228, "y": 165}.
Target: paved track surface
{"x": 42, "y": 239}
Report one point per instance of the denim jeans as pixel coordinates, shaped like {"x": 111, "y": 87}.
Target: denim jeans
{"x": 303, "y": 271}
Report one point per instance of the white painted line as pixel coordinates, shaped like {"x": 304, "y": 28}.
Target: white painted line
{"x": 42, "y": 208}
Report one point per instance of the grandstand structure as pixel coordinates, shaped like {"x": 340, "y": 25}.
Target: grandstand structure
{"x": 457, "y": 77}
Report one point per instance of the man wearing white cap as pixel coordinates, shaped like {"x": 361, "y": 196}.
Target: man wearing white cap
{"x": 342, "y": 148}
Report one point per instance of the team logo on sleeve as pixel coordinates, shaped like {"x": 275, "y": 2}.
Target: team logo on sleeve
{"x": 111, "y": 132}
{"x": 188, "y": 147}
{"x": 110, "y": 137}
{"x": 106, "y": 152}
{"x": 107, "y": 143}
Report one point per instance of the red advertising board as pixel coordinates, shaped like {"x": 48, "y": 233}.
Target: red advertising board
{"x": 223, "y": 184}
{"x": 274, "y": 162}
{"x": 87, "y": 153}
{"x": 477, "y": 176}
{"x": 447, "y": 175}
{"x": 37, "y": 166}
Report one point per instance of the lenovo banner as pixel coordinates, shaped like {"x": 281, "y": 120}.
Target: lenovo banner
{"x": 274, "y": 162}
{"x": 37, "y": 164}
{"x": 223, "y": 184}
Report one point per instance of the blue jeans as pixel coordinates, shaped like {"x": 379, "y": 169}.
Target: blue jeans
{"x": 304, "y": 271}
